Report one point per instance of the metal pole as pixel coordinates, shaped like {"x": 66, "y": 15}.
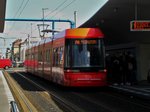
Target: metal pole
{"x": 12, "y": 52}
{"x": 28, "y": 40}
{"x": 31, "y": 29}
{"x": 53, "y": 27}
{"x": 4, "y": 42}
{"x": 43, "y": 19}
{"x": 136, "y": 9}
{"x": 14, "y": 107}
{"x": 75, "y": 18}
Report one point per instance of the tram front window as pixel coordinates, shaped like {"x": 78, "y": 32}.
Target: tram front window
{"x": 81, "y": 53}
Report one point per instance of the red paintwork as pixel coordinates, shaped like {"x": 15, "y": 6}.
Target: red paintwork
{"x": 5, "y": 62}
{"x": 85, "y": 79}
{"x": 46, "y": 69}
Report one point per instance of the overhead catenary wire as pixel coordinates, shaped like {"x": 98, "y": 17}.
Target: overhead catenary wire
{"x": 16, "y": 14}
{"x": 19, "y": 8}
{"x": 63, "y": 8}
{"x": 57, "y": 8}
{"x": 19, "y": 13}
{"x": 60, "y": 5}
{"x": 24, "y": 7}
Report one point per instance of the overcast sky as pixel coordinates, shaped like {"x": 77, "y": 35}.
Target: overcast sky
{"x": 57, "y": 9}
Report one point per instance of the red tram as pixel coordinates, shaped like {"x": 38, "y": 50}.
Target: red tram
{"x": 74, "y": 57}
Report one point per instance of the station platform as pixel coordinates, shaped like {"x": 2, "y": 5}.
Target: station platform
{"x": 141, "y": 90}
{"x": 5, "y": 95}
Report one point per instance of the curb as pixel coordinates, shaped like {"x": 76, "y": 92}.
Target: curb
{"x": 24, "y": 104}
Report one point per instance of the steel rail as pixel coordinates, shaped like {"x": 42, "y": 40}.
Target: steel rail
{"x": 126, "y": 100}
{"x": 68, "y": 105}
{"x": 94, "y": 102}
{"x": 110, "y": 95}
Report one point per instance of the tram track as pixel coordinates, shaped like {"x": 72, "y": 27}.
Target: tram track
{"x": 69, "y": 107}
{"x": 129, "y": 99}
{"x": 77, "y": 104}
{"x": 94, "y": 102}
{"x": 82, "y": 101}
{"x": 125, "y": 102}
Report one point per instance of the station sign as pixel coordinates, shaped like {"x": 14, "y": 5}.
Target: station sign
{"x": 140, "y": 25}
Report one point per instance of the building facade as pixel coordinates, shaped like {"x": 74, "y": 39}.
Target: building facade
{"x": 15, "y": 50}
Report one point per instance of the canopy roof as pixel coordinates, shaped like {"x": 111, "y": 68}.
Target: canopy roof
{"x": 2, "y": 14}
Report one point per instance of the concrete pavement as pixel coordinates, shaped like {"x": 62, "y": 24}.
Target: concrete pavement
{"x": 5, "y": 95}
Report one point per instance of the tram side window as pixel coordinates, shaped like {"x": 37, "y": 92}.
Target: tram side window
{"x": 26, "y": 56}
{"x": 48, "y": 56}
{"x": 45, "y": 55}
{"x": 61, "y": 56}
{"x": 57, "y": 56}
{"x": 54, "y": 57}
{"x": 26, "y": 59}
{"x": 40, "y": 56}
{"x": 67, "y": 54}
{"x": 36, "y": 56}
{"x": 29, "y": 56}
{"x": 32, "y": 56}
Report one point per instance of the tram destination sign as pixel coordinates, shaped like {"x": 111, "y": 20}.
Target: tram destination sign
{"x": 78, "y": 42}
{"x": 138, "y": 25}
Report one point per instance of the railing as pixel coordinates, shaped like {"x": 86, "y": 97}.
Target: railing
{"x": 14, "y": 107}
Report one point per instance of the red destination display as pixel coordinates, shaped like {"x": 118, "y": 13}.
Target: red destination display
{"x": 140, "y": 25}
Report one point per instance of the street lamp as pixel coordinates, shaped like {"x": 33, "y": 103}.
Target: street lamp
{"x": 75, "y": 18}
{"x": 43, "y": 9}
{"x": 45, "y": 26}
{"x": 27, "y": 41}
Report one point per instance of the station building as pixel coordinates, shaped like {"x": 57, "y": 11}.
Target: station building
{"x": 115, "y": 20}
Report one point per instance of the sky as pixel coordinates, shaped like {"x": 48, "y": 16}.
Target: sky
{"x": 53, "y": 9}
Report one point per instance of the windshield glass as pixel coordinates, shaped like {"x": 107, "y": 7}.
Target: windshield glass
{"x": 84, "y": 53}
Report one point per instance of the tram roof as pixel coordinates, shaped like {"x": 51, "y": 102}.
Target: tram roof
{"x": 73, "y": 33}
{"x": 80, "y": 32}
